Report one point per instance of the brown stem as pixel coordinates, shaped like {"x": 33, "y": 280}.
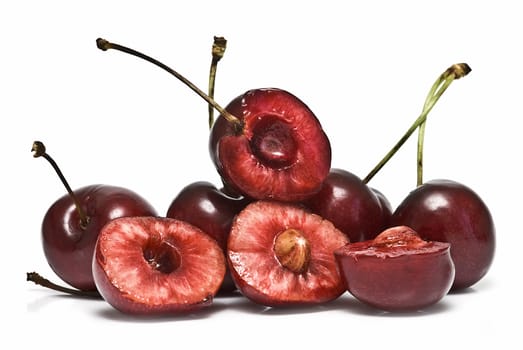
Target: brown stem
{"x": 105, "y": 45}
{"x": 218, "y": 50}
{"x": 37, "y": 279}
{"x": 38, "y": 150}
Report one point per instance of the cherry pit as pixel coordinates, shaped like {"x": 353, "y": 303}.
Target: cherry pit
{"x": 282, "y": 229}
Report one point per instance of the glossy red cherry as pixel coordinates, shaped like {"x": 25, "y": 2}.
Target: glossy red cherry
{"x": 72, "y": 223}
{"x": 447, "y": 211}
{"x": 277, "y": 149}
{"x": 354, "y": 208}
{"x": 210, "y": 209}
{"x": 152, "y": 266}
{"x": 397, "y": 270}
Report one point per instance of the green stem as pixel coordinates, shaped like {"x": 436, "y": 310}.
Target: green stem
{"x": 456, "y": 71}
{"x": 37, "y": 279}
{"x": 39, "y": 150}
{"x": 105, "y": 45}
{"x": 218, "y": 50}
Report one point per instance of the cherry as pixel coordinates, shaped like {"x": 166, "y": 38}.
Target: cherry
{"x": 267, "y": 144}
{"x": 71, "y": 225}
{"x": 353, "y": 207}
{"x": 153, "y": 265}
{"x": 210, "y": 209}
{"x": 282, "y": 255}
{"x": 397, "y": 270}
{"x": 447, "y": 211}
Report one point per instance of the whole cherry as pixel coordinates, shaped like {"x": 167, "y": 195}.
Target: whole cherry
{"x": 354, "y": 208}
{"x": 73, "y": 222}
{"x": 266, "y": 144}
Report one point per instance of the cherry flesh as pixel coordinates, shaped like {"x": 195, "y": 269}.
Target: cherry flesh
{"x": 152, "y": 266}
{"x": 397, "y": 270}
{"x": 282, "y": 255}
{"x": 68, "y": 245}
{"x": 447, "y": 211}
{"x": 210, "y": 209}
{"x": 280, "y": 150}
{"x": 353, "y": 207}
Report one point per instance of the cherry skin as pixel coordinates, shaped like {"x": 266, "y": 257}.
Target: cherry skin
{"x": 397, "y": 270}
{"x": 447, "y": 211}
{"x": 276, "y": 149}
{"x": 353, "y": 207}
{"x": 69, "y": 245}
{"x": 210, "y": 209}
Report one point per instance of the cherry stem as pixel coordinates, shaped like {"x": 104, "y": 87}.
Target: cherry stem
{"x": 105, "y": 45}
{"x": 218, "y": 50}
{"x": 37, "y": 279}
{"x": 38, "y": 150}
{"x": 455, "y": 71}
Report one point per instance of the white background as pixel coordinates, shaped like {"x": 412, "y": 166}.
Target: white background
{"x": 364, "y": 68}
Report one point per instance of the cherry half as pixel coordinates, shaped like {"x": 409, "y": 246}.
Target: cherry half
{"x": 397, "y": 270}
{"x": 72, "y": 224}
{"x": 267, "y": 144}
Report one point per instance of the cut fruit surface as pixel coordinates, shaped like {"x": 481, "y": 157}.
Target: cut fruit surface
{"x": 147, "y": 265}
{"x": 281, "y": 254}
{"x": 281, "y": 151}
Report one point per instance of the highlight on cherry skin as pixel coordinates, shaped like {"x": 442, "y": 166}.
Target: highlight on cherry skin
{"x": 157, "y": 266}
{"x": 397, "y": 270}
{"x": 71, "y": 225}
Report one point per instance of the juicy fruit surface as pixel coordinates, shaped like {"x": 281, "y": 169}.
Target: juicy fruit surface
{"x": 68, "y": 247}
{"x": 397, "y": 271}
{"x": 281, "y": 153}
{"x": 255, "y": 266}
{"x": 447, "y": 211}
{"x": 157, "y": 265}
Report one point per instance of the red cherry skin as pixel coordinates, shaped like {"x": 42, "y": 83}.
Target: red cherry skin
{"x": 397, "y": 271}
{"x": 352, "y": 206}
{"x": 67, "y": 246}
{"x": 447, "y": 211}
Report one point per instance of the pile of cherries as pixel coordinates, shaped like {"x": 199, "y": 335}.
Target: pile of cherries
{"x": 283, "y": 229}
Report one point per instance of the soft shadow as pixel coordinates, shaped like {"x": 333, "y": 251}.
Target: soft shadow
{"x": 246, "y": 305}
{"x": 354, "y": 306}
{"x": 52, "y": 297}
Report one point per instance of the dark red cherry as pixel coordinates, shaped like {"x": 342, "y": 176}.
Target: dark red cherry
{"x": 212, "y": 211}
{"x": 276, "y": 150}
{"x": 72, "y": 224}
{"x": 69, "y": 245}
{"x": 447, "y": 211}
{"x": 397, "y": 270}
{"x": 353, "y": 207}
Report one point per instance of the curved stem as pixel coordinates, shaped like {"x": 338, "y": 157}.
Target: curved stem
{"x": 37, "y": 279}
{"x": 105, "y": 45}
{"x": 38, "y": 150}
{"x": 218, "y": 50}
{"x": 455, "y": 71}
